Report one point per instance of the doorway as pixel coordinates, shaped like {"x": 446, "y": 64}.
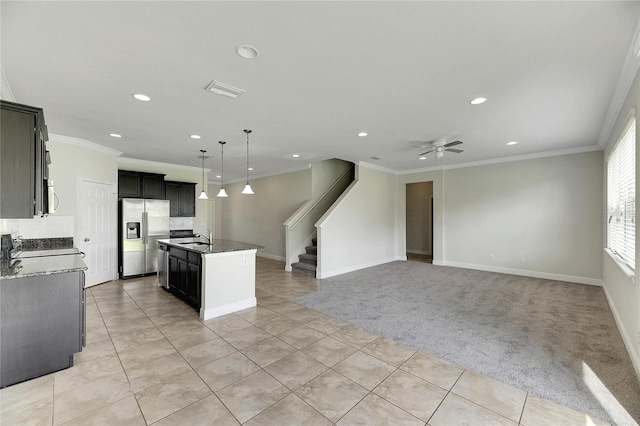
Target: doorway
{"x": 419, "y": 221}
{"x": 97, "y": 230}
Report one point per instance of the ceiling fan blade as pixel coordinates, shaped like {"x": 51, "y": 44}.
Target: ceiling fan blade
{"x": 457, "y": 151}
{"x": 454, "y": 143}
{"x": 427, "y": 152}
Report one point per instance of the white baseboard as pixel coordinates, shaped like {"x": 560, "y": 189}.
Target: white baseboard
{"x": 229, "y": 308}
{"x": 271, "y": 256}
{"x": 523, "y": 272}
{"x": 628, "y": 340}
{"x": 339, "y": 271}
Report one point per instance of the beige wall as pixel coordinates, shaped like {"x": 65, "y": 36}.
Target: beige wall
{"x": 419, "y": 217}
{"x": 622, "y": 290}
{"x": 259, "y": 218}
{"x": 360, "y": 230}
{"x": 545, "y": 210}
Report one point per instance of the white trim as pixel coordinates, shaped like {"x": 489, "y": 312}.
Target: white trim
{"x": 351, "y": 268}
{"x": 525, "y": 273}
{"x": 626, "y": 269}
{"x": 376, "y": 167}
{"x": 625, "y": 81}
{"x": 628, "y": 340}
{"x": 568, "y": 151}
{"x": 6, "y": 84}
{"x": 271, "y": 256}
{"x": 83, "y": 143}
{"x": 133, "y": 162}
{"x": 229, "y": 308}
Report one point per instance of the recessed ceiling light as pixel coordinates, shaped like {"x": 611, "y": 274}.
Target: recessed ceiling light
{"x": 192, "y": 161}
{"x": 422, "y": 158}
{"x": 247, "y": 52}
{"x": 512, "y": 143}
{"x": 115, "y": 135}
{"x": 218, "y": 176}
{"x": 363, "y": 134}
{"x": 141, "y": 97}
{"x": 250, "y": 169}
{"x": 295, "y": 155}
{"x": 478, "y": 101}
{"x": 194, "y": 136}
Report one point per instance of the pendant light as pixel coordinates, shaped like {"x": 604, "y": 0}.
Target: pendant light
{"x": 203, "y": 194}
{"x": 222, "y": 193}
{"x": 247, "y": 188}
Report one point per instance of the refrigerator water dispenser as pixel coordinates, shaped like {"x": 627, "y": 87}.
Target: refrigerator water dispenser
{"x": 133, "y": 230}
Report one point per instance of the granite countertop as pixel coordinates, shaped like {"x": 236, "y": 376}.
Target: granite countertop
{"x": 200, "y": 245}
{"x": 45, "y": 265}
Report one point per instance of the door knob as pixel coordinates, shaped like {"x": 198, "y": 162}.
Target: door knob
{"x": 87, "y": 239}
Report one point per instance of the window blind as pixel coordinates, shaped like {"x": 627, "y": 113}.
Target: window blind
{"x": 621, "y": 197}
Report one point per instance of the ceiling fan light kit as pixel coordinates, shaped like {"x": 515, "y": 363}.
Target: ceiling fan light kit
{"x": 439, "y": 146}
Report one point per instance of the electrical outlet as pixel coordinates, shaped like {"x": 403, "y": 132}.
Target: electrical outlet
{"x": 522, "y": 260}
{"x": 244, "y": 260}
{"x": 492, "y": 257}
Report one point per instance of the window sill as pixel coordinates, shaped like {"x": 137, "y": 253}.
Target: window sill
{"x": 630, "y": 273}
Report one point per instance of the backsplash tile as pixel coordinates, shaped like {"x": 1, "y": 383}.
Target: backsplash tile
{"x": 39, "y": 227}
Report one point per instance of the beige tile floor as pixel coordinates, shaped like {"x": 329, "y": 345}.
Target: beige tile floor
{"x": 150, "y": 360}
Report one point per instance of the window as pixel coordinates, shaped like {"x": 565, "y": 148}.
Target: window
{"x": 621, "y": 197}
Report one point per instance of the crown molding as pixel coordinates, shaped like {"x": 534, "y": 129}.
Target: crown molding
{"x": 83, "y": 143}
{"x": 568, "y": 151}
{"x": 625, "y": 81}
{"x": 136, "y": 162}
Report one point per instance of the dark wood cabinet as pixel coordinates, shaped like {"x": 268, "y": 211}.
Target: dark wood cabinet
{"x": 185, "y": 275}
{"x": 182, "y": 196}
{"x": 133, "y": 184}
{"x": 23, "y": 166}
{"x": 42, "y": 324}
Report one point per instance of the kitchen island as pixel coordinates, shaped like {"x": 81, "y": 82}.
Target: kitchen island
{"x": 217, "y": 277}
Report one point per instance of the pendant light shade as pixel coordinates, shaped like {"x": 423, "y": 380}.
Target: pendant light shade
{"x": 247, "y": 188}
{"x": 222, "y": 193}
{"x": 203, "y": 194}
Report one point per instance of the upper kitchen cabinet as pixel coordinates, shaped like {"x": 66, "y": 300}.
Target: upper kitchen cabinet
{"x": 182, "y": 196}
{"x": 23, "y": 164}
{"x": 140, "y": 185}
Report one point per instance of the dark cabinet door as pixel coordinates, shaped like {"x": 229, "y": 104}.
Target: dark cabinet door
{"x": 193, "y": 284}
{"x": 17, "y": 168}
{"x": 129, "y": 184}
{"x": 153, "y": 186}
{"x": 182, "y": 196}
{"x": 172, "y": 193}
{"x": 188, "y": 199}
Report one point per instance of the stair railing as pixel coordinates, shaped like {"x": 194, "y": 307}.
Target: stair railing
{"x": 300, "y": 227}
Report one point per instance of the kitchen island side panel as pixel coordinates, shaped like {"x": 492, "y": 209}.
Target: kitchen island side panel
{"x": 228, "y": 283}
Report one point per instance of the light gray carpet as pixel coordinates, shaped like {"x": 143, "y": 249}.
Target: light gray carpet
{"x": 557, "y": 340}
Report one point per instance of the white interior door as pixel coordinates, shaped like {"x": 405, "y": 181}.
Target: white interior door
{"x": 96, "y": 238}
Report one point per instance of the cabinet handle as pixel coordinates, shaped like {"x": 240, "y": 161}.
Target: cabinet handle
{"x": 87, "y": 240}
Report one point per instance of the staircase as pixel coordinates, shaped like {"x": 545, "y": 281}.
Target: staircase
{"x": 308, "y": 261}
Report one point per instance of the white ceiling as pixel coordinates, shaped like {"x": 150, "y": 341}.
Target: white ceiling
{"x": 402, "y": 71}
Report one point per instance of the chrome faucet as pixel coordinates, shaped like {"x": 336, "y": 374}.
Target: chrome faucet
{"x": 209, "y": 237}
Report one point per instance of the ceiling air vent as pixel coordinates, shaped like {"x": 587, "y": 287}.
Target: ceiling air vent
{"x": 375, "y": 158}
{"x": 223, "y": 89}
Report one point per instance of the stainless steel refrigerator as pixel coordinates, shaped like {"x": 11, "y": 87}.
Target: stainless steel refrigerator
{"x": 142, "y": 223}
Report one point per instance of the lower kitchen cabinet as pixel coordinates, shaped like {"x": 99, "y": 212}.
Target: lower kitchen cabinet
{"x": 42, "y": 324}
{"x": 185, "y": 272}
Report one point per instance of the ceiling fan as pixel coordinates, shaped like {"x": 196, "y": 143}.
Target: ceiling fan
{"x": 439, "y": 146}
